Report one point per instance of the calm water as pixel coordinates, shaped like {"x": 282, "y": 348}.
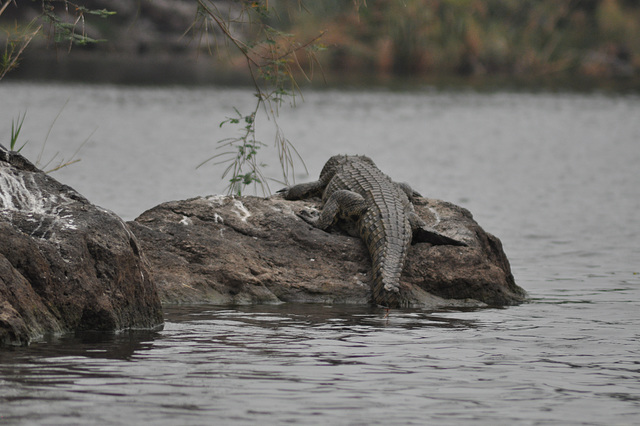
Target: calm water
{"x": 555, "y": 176}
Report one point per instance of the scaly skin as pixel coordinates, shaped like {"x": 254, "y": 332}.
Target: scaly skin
{"x": 353, "y": 188}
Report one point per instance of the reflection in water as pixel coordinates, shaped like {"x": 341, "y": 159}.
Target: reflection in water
{"x": 319, "y": 315}
{"x": 96, "y": 344}
{"x": 209, "y": 352}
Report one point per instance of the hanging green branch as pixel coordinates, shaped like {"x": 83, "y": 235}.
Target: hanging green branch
{"x": 71, "y": 31}
{"x": 272, "y": 60}
{"x": 68, "y": 27}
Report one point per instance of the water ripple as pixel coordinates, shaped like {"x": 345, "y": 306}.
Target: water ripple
{"x": 351, "y": 365}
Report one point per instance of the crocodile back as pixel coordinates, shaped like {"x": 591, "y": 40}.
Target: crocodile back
{"x": 384, "y": 226}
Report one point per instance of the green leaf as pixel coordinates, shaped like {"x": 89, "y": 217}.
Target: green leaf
{"x": 16, "y": 127}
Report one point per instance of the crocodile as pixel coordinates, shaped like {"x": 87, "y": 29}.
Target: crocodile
{"x": 354, "y": 190}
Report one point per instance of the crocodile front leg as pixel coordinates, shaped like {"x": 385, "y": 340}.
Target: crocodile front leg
{"x": 303, "y": 190}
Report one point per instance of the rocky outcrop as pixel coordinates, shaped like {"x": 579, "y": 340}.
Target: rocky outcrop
{"x": 65, "y": 264}
{"x": 244, "y": 250}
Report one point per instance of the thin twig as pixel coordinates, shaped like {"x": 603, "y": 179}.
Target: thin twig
{"x": 26, "y": 39}
{"x": 44, "y": 144}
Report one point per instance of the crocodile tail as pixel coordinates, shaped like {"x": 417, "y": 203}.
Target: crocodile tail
{"x": 388, "y": 244}
{"x": 383, "y": 297}
{"x": 385, "y": 286}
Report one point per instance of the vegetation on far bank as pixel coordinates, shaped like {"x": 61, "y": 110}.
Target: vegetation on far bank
{"x": 597, "y": 39}
{"x": 591, "y": 38}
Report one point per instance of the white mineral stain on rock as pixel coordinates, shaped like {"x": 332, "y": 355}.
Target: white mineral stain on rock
{"x": 242, "y": 212}
{"x": 286, "y": 209}
{"x": 217, "y": 218}
{"x": 20, "y": 194}
{"x": 69, "y": 224}
{"x": 435, "y": 214}
{"x": 15, "y": 195}
{"x": 186, "y": 221}
{"x": 217, "y": 200}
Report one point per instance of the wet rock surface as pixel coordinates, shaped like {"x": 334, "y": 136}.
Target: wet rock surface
{"x": 228, "y": 250}
{"x": 65, "y": 264}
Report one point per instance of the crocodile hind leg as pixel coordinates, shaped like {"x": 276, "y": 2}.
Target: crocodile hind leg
{"x": 422, "y": 233}
{"x": 341, "y": 204}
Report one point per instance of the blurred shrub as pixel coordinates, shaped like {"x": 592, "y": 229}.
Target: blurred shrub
{"x": 521, "y": 37}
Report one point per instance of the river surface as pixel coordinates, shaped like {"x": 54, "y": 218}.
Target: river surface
{"x": 553, "y": 175}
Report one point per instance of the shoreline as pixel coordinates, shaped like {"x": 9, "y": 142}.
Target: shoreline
{"x": 188, "y": 70}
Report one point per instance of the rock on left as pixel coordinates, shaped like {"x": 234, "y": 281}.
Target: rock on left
{"x": 66, "y": 265}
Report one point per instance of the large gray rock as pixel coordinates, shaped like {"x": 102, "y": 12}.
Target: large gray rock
{"x": 226, "y": 250}
{"x": 65, "y": 264}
